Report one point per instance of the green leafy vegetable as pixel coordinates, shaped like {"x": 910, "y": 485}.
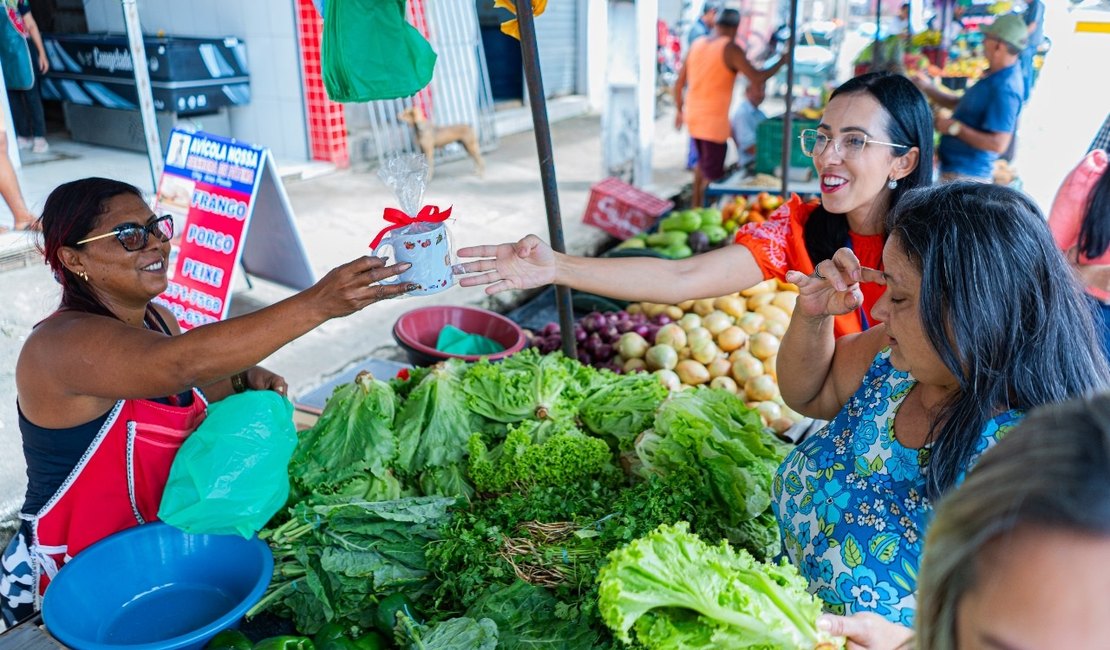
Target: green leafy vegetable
{"x": 434, "y": 423}
{"x": 623, "y": 407}
{"x": 353, "y": 435}
{"x": 452, "y": 634}
{"x": 525, "y": 386}
{"x": 713, "y": 430}
{"x": 679, "y": 592}
{"x": 528, "y": 616}
{"x": 565, "y": 457}
{"x": 334, "y": 560}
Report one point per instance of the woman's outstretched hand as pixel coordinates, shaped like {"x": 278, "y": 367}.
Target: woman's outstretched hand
{"x": 834, "y": 287}
{"x": 355, "y": 285}
{"x": 526, "y": 264}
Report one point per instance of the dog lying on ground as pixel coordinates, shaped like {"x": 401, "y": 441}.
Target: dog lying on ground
{"x": 429, "y": 137}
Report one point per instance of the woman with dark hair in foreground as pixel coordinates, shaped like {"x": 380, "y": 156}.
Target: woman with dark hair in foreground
{"x": 980, "y": 323}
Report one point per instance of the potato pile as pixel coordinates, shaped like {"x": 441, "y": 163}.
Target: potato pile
{"x": 731, "y": 342}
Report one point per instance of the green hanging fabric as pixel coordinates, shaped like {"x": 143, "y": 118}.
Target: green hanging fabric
{"x": 370, "y": 51}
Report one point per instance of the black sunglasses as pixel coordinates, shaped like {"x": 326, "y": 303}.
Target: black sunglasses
{"x": 133, "y": 237}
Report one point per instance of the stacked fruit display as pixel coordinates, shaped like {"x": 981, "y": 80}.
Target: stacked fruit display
{"x": 729, "y": 342}
{"x": 689, "y": 232}
{"x": 741, "y": 209}
{"x": 683, "y": 233}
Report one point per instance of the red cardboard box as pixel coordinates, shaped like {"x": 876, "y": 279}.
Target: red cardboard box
{"x": 622, "y": 210}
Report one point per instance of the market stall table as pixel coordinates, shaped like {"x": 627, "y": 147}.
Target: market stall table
{"x": 29, "y": 635}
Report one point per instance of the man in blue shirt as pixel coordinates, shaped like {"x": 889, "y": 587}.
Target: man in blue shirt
{"x": 982, "y": 123}
{"x": 703, "y": 26}
{"x": 1034, "y": 25}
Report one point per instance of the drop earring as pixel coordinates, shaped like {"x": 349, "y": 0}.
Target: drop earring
{"x": 892, "y": 183}
{"x": 84, "y": 275}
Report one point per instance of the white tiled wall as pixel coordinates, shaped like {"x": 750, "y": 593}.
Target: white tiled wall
{"x": 275, "y": 117}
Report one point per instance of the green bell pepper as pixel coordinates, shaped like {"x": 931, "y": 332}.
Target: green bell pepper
{"x": 370, "y": 641}
{"x": 229, "y": 640}
{"x": 386, "y": 616}
{"x": 286, "y": 643}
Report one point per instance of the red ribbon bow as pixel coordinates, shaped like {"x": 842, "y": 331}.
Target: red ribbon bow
{"x": 428, "y": 214}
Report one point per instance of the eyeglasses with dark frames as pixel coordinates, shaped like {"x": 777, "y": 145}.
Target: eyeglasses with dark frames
{"x": 133, "y": 237}
{"x": 849, "y": 146}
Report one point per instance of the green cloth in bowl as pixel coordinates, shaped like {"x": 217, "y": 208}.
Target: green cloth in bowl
{"x": 453, "y": 340}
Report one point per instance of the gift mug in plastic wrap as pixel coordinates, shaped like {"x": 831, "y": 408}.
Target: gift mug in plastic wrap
{"x": 427, "y": 247}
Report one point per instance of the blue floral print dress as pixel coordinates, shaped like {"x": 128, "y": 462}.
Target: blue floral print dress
{"x": 851, "y": 503}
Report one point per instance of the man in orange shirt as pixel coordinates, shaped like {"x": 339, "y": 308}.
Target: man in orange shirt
{"x": 703, "y": 93}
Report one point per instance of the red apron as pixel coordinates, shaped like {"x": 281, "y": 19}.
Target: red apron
{"x": 117, "y": 484}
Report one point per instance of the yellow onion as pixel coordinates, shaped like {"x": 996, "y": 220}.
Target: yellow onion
{"x": 734, "y": 306}
{"x": 691, "y": 372}
{"x": 725, "y": 383}
{"x": 661, "y": 357}
{"x": 669, "y": 379}
{"x": 761, "y": 388}
{"x": 717, "y": 322}
{"x": 763, "y": 345}
{"x": 671, "y": 334}
{"x": 746, "y": 367}
{"x": 732, "y": 338}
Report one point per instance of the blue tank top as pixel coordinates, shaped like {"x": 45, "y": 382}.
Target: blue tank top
{"x": 851, "y": 501}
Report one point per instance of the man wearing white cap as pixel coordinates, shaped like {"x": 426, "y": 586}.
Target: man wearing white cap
{"x": 982, "y": 123}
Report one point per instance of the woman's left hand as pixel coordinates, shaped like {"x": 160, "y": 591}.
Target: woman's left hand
{"x": 258, "y": 378}
{"x": 834, "y": 287}
{"x": 867, "y": 631}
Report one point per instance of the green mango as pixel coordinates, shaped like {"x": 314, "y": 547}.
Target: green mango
{"x": 685, "y": 221}
{"x": 710, "y": 217}
{"x": 632, "y": 242}
{"x": 715, "y": 233}
{"x": 657, "y": 239}
{"x": 678, "y": 252}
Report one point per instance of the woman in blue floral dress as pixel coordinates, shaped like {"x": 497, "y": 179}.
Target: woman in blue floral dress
{"x": 980, "y": 321}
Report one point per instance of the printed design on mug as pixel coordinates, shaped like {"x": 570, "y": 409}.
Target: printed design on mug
{"x": 439, "y": 238}
{"x": 426, "y": 243}
{"x": 409, "y": 245}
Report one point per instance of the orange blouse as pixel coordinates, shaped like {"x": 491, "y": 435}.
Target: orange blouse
{"x": 778, "y": 246}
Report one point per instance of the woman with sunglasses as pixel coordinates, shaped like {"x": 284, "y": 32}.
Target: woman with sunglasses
{"x": 109, "y": 387}
{"x": 874, "y": 143}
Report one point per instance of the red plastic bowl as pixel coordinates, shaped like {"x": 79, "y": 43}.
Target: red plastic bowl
{"x": 416, "y": 332}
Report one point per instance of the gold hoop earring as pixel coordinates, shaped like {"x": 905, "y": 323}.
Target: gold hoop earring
{"x": 84, "y": 275}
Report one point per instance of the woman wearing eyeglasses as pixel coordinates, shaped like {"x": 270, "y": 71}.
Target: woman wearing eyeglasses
{"x": 109, "y": 387}
{"x": 874, "y": 143}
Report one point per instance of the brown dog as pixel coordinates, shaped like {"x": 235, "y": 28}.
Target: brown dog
{"x": 429, "y": 137}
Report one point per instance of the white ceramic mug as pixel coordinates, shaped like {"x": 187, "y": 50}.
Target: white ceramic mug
{"x": 427, "y": 247}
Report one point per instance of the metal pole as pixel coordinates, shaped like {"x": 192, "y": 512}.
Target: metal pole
{"x": 876, "y": 56}
{"x": 788, "y": 117}
{"x": 531, "y": 54}
{"x": 142, "y": 87}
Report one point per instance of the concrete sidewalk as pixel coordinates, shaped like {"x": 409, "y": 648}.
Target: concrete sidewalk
{"x": 337, "y": 215}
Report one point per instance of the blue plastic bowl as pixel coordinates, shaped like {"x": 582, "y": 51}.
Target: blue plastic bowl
{"x": 154, "y": 587}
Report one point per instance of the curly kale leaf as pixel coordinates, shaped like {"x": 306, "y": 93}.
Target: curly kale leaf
{"x": 563, "y": 458}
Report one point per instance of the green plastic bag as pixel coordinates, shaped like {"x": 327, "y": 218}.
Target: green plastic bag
{"x": 370, "y": 52}
{"x": 232, "y": 474}
{"x": 455, "y": 341}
